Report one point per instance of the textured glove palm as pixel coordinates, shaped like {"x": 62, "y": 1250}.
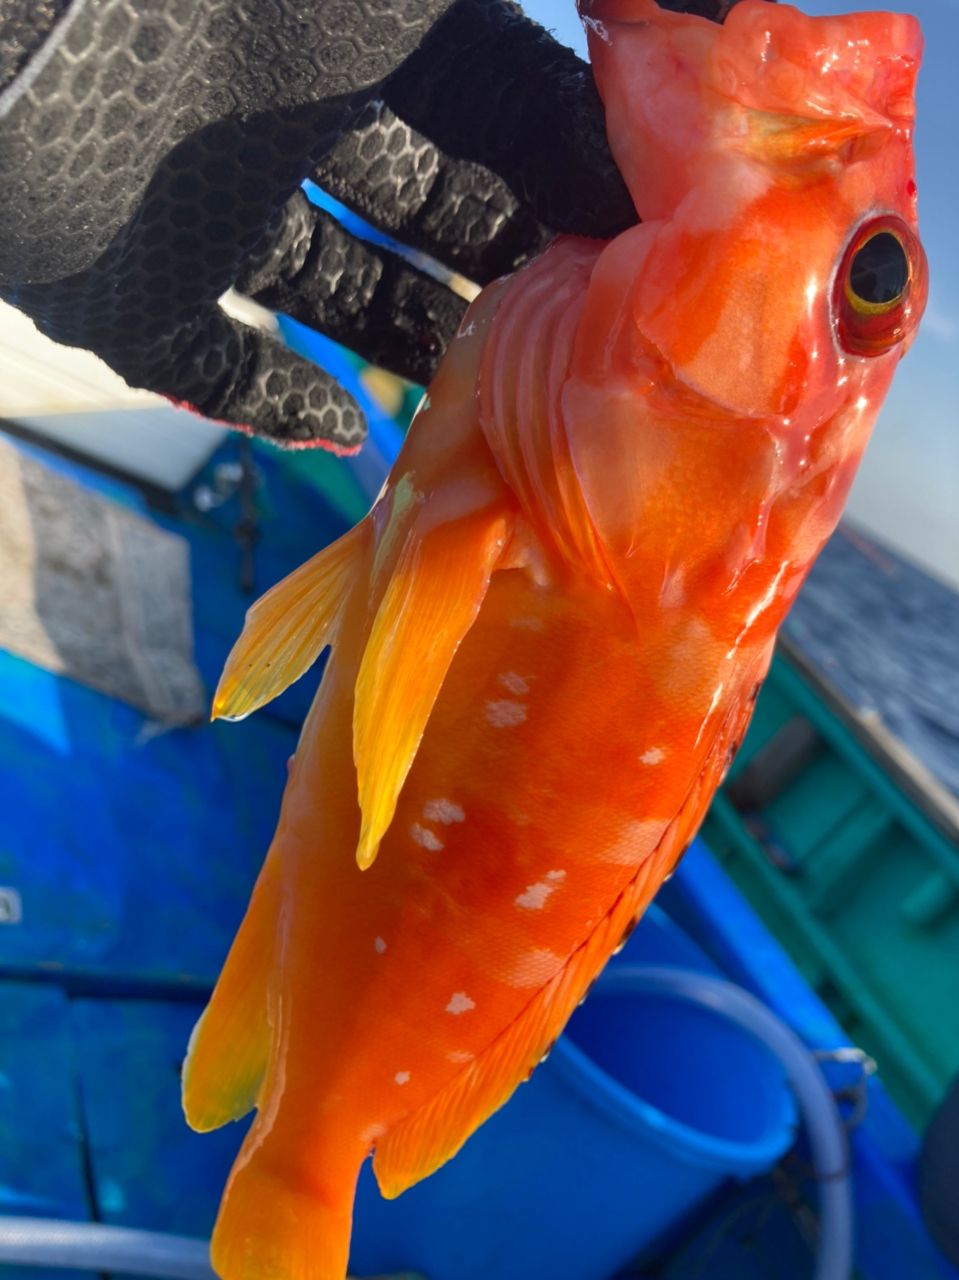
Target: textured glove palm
{"x": 152, "y": 154}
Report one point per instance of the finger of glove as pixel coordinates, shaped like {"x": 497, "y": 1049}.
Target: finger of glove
{"x": 520, "y": 104}
{"x": 357, "y": 293}
{"x": 105, "y": 94}
{"x": 456, "y": 211}
{"x": 277, "y": 394}
{"x": 246, "y": 377}
{"x": 201, "y": 358}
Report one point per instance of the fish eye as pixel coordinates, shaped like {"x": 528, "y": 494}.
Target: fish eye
{"x": 880, "y": 286}
{"x": 878, "y": 273}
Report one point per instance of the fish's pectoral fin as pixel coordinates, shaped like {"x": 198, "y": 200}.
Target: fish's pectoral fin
{"x": 431, "y": 601}
{"x": 288, "y": 628}
{"x": 229, "y": 1048}
{"x": 418, "y": 1145}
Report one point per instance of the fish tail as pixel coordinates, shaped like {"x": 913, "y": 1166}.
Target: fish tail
{"x": 229, "y": 1048}
{"x": 273, "y": 1226}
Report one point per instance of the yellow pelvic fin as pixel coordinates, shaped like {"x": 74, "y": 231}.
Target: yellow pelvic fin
{"x": 431, "y": 601}
{"x": 288, "y": 628}
{"x": 429, "y": 1137}
{"x": 229, "y": 1048}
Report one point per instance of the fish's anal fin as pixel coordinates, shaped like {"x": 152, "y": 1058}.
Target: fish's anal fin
{"x": 418, "y": 1145}
{"x": 229, "y": 1048}
{"x": 288, "y": 627}
{"x": 433, "y": 596}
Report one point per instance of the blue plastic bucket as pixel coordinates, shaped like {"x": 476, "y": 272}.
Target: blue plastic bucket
{"x": 646, "y": 1105}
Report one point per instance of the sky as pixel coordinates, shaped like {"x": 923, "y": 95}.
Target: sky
{"x": 907, "y": 490}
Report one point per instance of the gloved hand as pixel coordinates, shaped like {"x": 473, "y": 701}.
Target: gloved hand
{"x": 152, "y": 151}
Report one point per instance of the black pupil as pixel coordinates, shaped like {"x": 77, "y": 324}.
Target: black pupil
{"x": 879, "y": 271}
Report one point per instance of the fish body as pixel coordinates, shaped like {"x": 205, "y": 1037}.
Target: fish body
{"x": 548, "y": 635}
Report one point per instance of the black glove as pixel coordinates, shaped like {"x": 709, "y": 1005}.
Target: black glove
{"x": 152, "y": 151}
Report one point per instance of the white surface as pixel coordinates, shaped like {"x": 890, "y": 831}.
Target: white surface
{"x": 72, "y": 397}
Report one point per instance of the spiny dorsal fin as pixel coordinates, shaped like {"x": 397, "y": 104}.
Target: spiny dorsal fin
{"x": 432, "y": 599}
{"x": 427, "y": 1139}
{"x": 288, "y": 628}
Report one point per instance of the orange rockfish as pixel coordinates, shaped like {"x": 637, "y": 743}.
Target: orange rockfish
{"x": 548, "y": 634}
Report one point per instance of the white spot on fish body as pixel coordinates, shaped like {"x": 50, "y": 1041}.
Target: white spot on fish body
{"x": 460, "y": 1003}
{"x": 653, "y": 756}
{"x": 372, "y": 1132}
{"x": 402, "y": 1077}
{"x": 556, "y": 876}
{"x": 379, "y": 945}
{"x": 442, "y": 810}
{"x": 514, "y": 683}
{"x": 459, "y": 1056}
{"x": 534, "y": 896}
{"x": 635, "y": 841}
{"x": 505, "y": 714}
{"x": 534, "y": 968}
{"x": 426, "y": 838}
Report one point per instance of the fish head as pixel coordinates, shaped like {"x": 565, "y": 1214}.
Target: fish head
{"x": 775, "y": 281}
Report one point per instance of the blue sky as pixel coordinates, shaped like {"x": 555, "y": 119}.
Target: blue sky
{"x": 907, "y": 491}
